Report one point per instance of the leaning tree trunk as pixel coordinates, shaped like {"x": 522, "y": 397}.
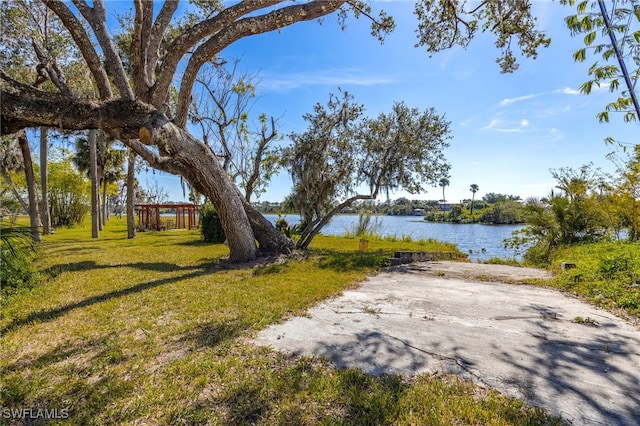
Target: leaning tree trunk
{"x": 14, "y": 190}
{"x": 34, "y": 214}
{"x": 180, "y": 152}
{"x": 242, "y": 223}
{"x": 203, "y": 169}
{"x": 270, "y": 240}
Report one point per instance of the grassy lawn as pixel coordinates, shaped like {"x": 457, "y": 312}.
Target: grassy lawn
{"x": 607, "y": 274}
{"x": 153, "y": 331}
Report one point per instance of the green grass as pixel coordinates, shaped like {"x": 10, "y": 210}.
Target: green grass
{"x": 606, "y": 274}
{"x": 153, "y": 331}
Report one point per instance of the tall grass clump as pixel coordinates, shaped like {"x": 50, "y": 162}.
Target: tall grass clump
{"x": 606, "y": 273}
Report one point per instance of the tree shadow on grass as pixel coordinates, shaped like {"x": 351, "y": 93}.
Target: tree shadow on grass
{"x": 97, "y": 373}
{"x": 92, "y": 382}
{"x": 215, "y": 333}
{"x": 87, "y": 265}
{"x": 51, "y": 314}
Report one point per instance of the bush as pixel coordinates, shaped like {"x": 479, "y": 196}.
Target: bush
{"x": 17, "y": 254}
{"x": 210, "y": 225}
{"x": 69, "y": 194}
{"x": 285, "y": 229}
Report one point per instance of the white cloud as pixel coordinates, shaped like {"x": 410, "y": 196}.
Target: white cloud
{"x": 502, "y": 126}
{"x": 568, "y": 91}
{"x": 491, "y": 125}
{"x": 509, "y": 101}
{"x": 333, "y": 77}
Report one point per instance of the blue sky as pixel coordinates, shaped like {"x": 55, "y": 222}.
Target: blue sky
{"x": 508, "y": 130}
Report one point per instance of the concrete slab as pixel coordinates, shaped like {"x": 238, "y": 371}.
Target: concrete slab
{"x": 524, "y": 341}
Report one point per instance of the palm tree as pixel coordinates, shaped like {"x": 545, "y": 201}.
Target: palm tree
{"x": 444, "y": 182}
{"x": 110, "y": 162}
{"x": 474, "y": 188}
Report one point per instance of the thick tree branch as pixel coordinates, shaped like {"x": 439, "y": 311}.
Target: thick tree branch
{"x": 83, "y": 42}
{"x": 191, "y": 37}
{"x": 242, "y": 28}
{"x": 128, "y": 116}
{"x": 157, "y": 33}
{"x": 96, "y": 17}
{"x": 53, "y": 72}
{"x": 139, "y": 43}
{"x": 156, "y": 161}
{"x": 16, "y": 87}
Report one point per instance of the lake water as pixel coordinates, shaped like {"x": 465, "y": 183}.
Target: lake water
{"x": 480, "y": 241}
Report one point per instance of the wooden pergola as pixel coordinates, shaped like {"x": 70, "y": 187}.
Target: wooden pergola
{"x": 149, "y": 215}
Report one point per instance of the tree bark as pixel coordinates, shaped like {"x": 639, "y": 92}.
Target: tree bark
{"x": 105, "y": 203}
{"x": 131, "y": 173}
{"x": 44, "y": 180}
{"x": 34, "y": 213}
{"x": 100, "y": 200}
{"x": 93, "y": 175}
{"x": 201, "y": 166}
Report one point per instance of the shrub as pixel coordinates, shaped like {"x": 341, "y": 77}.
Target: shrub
{"x": 287, "y": 230}
{"x": 210, "y": 225}
{"x": 69, "y": 194}
{"x": 17, "y": 253}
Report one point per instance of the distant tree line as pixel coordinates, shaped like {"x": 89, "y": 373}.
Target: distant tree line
{"x": 492, "y": 209}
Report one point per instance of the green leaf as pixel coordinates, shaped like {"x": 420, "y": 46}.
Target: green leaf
{"x": 580, "y": 55}
{"x": 603, "y": 117}
{"x": 614, "y": 85}
{"x": 589, "y": 38}
{"x": 582, "y": 7}
{"x": 629, "y": 117}
{"x": 585, "y": 88}
{"x": 636, "y": 36}
{"x": 608, "y": 53}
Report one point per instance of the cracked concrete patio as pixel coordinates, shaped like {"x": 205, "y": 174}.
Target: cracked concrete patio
{"x": 521, "y": 340}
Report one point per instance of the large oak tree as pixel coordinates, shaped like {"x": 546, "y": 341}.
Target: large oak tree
{"x": 132, "y": 88}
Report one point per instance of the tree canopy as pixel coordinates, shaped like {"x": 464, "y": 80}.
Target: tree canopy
{"x": 343, "y": 157}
